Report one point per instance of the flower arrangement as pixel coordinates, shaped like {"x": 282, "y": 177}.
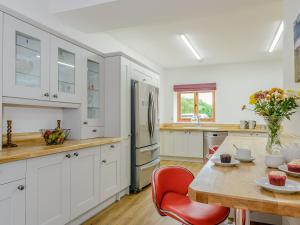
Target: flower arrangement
{"x": 274, "y": 105}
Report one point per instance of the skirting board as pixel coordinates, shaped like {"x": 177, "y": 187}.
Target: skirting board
{"x": 92, "y": 212}
{"x": 182, "y": 159}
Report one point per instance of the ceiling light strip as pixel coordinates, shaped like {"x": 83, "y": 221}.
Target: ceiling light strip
{"x": 277, "y": 37}
{"x": 189, "y": 45}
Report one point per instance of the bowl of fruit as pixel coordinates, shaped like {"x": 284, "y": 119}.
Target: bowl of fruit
{"x": 55, "y": 136}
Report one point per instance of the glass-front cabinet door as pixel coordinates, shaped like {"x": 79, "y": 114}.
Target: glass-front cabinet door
{"x": 66, "y": 71}
{"x": 93, "y": 112}
{"x": 25, "y": 61}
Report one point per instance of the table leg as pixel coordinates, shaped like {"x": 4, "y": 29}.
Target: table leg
{"x": 242, "y": 217}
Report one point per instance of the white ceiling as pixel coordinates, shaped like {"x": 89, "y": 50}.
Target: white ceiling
{"x": 226, "y": 31}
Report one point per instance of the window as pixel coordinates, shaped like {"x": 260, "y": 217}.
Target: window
{"x": 195, "y": 101}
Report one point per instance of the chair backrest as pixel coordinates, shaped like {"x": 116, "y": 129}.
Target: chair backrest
{"x": 170, "y": 179}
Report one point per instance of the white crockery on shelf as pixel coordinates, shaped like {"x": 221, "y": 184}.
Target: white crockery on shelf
{"x": 291, "y": 152}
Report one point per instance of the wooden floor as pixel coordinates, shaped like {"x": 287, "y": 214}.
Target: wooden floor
{"x": 138, "y": 209}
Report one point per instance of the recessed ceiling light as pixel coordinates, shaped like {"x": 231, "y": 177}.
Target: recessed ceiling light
{"x": 189, "y": 45}
{"x": 277, "y": 37}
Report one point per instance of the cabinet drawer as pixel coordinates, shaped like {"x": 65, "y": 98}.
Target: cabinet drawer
{"x": 91, "y": 132}
{"x": 109, "y": 152}
{"x": 12, "y": 171}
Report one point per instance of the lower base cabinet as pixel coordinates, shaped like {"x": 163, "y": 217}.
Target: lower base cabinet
{"x": 48, "y": 190}
{"x": 182, "y": 143}
{"x": 84, "y": 188}
{"x": 110, "y": 170}
{"x": 12, "y": 203}
{"x": 125, "y": 163}
{"x": 61, "y": 187}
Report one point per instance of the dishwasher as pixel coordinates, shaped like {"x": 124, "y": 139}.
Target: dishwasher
{"x": 212, "y": 138}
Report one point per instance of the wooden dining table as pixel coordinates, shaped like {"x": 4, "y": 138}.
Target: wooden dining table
{"x": 236, "y": 187}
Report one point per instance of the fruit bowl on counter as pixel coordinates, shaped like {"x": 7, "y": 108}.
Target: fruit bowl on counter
{"x": 55, "y": 136}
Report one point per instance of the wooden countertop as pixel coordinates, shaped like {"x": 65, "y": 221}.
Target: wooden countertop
{"x": 235, "y": 186}
{"x": 210, "y": 127}
{"x": 37, "y": 147}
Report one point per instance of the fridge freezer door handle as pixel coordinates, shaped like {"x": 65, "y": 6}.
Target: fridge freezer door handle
{"x": 153, "y": 115}
{"x": 149, "y": 115}
{"x": 151, "y": 148}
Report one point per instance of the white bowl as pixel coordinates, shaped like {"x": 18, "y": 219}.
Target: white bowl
{"x": 274, "y": 161}
{"x": 291, "y": 152}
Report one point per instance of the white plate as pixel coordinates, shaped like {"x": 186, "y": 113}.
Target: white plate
{"x": 217, "y": 161}
{"x": 244, "y": 160}
{"x": 290, "y": 186}
{"x": 284, "y": 168}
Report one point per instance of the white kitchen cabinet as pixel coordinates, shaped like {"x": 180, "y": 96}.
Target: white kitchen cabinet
{"x": 119, "y": 71}
{"x": 110, "y": 170}
{"x": 84, "y": 167}
{"x": 166, "y": 143}
{"x": 182, "y": 143}
{"x": 125, "y": 163}
{"x": 145, "y": 75}
{"x": 26, "y": 61}
{"x": 195, "y": 144}
{"x": 12, "y": 203}
{"x": 93, "y": 104}
{"x": 66, "y": 71}
{"x": 48, "y": 190}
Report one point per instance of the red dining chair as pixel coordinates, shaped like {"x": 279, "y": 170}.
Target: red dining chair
{"x": 169, "y": 194}
{"x": 211, "y": 151}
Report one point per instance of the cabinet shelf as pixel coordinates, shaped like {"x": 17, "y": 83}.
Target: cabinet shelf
{"x": 29, "y": 49}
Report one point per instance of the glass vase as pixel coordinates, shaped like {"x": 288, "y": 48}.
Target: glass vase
{"x": 273, "y": 124}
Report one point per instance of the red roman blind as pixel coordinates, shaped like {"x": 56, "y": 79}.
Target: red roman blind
{"x": 195, "y": 87}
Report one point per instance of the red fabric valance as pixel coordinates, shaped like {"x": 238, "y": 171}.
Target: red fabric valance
{"x": 195, "y": 87}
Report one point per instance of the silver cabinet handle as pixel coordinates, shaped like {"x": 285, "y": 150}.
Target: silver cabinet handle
{"x": 112, "y": 146}
{"x": 68, "y": 156}
{"x": 55, "y": 96}
{"x": 21, "y": 187}
{"x": 104, "y": 161}
{"x": 76, "y": 154}
{"x": 85, "y": 122}
{"x": 94, "y": 130}
{"x": 46, "y": 94}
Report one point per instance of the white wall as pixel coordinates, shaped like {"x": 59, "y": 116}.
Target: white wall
{"x": 30, "y": 119}
{"x": 291, "y": 10}
{"x": 235, "y": 83}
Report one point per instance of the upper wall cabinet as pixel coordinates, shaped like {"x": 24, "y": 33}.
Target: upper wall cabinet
{"x": 66, "y": 71}
{"x": 26, "y": 61}
{"x": 93, "y": 103}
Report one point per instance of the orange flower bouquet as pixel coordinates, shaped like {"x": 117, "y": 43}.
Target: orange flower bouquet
{"x": 274, "y": 105}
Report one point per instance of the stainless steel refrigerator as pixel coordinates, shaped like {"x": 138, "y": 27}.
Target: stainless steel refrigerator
{"x": 144, "y": 134}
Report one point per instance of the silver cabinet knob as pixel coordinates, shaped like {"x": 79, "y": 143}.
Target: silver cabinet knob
{"x": 21, "y": 187}
{"x": 55, "y": 96}
{"x": 94, "y": 130}
{"x": 46, "y": 94}
{"x": 68, "y": 156}
{"x": 112, "y": 146}
{"x": 76, "y": 154}
{"x": 104, "y": 161}
{"x": 85, "y": 122}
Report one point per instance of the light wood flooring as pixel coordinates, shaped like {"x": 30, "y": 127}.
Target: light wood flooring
{"x": 138, "y": 209}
